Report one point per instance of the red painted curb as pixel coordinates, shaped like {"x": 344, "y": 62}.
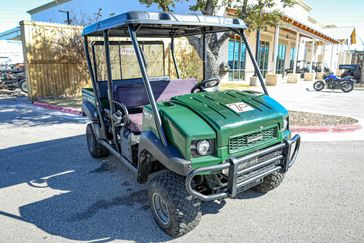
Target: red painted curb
{"x": 326, "y": 129}
{"x": 57, "y": 108}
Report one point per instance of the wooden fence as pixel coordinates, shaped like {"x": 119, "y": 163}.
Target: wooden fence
{"x": 51, "y": 68}
{"x": 55, "y": 61}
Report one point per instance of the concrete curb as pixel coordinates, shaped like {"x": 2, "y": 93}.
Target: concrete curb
{"x": 294, "y": 129}
{"x": 68, "y": 110}
{"x": 326, "y": 129}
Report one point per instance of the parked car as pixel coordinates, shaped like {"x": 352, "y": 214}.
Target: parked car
{"x": 190, "y": 141}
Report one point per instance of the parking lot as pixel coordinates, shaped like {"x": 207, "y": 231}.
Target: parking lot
{"x": 52, "y": 189}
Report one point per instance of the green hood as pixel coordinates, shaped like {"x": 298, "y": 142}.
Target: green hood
{"x": 231, "y": 113}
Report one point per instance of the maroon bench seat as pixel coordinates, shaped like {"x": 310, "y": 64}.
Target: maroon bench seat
{"x": 133, "y": 95}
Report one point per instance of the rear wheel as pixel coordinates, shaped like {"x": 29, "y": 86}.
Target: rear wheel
{"x": 347, "y": 87}
{"x": 174, "y": 210}
{"x": 94, "y": 147}
{"x": 270, "y": 182}
{"x": 318, "y": 85}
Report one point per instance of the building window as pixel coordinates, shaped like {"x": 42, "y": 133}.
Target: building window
{"x": 264, "y": 57}
{"x": 291, "y": 57}
{"x": 281, "y": 59}
{"x": 236, "y": 60}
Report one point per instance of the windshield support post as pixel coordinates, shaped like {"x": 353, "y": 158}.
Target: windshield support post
{"x": 255, "y": 63}
{"x": 174, "y": 57}
{"x": 110, "y": 88}
{"x": 148, "y": 88}
{"x": 95, "y": 88}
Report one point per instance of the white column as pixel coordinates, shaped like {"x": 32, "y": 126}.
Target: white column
{"x": 312, "y": 54}
{"x": 332, "y": 56}
{"x": 275, "y": 53}
{"x": 296, "y": 52}
{"x": 324, "y": 58}
{"x": 350, "y": 56}
{"x": 340, "y": 60}
{"x": 316, "y": 53}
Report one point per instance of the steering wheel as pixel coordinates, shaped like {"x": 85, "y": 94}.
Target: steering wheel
{"x": 121, "y": 115}
{"x": 204, "y": 84}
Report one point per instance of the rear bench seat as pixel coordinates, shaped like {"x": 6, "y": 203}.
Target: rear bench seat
{"x": 133, "y": 95}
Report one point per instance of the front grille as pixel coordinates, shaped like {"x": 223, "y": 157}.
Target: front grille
{"x": 239, "y": 143}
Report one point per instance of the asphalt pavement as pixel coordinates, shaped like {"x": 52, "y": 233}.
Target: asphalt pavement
{"x": 51, "y": 189}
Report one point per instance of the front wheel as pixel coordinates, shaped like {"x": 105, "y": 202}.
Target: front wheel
{"x": 319, "y": 85}
{"x": 347, "y": 87}
{"x": 174, "y": 210}
{"x": 270, "y": 182}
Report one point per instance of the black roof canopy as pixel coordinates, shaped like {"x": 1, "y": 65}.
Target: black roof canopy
{"x": 153, "y": 24}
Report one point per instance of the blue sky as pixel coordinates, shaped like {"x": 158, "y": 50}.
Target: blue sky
{"x": 12, "y": 11}
{"x": 339, "y": 12}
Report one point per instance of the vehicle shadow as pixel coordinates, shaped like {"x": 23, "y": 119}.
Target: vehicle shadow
{"x": 213, "y": 207}
{"x": 249, "y": 194}
{"x": 326, "y": 91}
{"x": 83, "y": 199}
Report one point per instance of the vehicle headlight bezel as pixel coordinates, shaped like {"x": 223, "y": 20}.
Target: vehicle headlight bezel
{"x": 197, "y": 149}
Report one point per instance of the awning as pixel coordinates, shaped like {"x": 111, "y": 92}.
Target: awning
{"x": 303, "y": 27}
{"x": 312, "y": 31}
{"x": 343, "y": 33}
{"x": 12, "y": 34}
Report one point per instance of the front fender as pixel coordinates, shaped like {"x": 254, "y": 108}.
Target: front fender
{"x": 168, "y": 156}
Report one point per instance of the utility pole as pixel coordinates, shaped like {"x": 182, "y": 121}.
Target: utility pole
{"x": 68, "y": 15}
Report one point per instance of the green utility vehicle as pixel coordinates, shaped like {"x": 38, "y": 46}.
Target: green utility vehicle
{"x": 190, "y": 141}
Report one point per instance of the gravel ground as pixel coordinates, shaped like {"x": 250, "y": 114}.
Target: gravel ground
{"x": 299, "y": 118}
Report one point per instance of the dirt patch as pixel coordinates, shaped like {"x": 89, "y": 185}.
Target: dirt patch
{"x": 136, "y": 197}
{"x": 105, "y": 167}
{"x": 299, "y": 118}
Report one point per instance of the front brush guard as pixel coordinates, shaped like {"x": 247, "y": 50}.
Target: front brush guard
{"x": 235, "y": 183}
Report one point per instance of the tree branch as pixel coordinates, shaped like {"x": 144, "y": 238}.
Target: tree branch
{"x": 216, "y": 45}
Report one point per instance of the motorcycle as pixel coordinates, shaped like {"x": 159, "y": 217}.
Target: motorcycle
{"x": 13, "y": 80}
{"x": 346, "y": 84}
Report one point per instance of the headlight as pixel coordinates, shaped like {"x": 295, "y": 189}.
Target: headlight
{"x": 285, "y": 124}
{"x": 202, "y": 147}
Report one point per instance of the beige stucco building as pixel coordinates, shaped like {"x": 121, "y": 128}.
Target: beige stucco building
{"x": 300, "y": 42}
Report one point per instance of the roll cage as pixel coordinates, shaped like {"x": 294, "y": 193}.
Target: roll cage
{"x": 155, "y": 25}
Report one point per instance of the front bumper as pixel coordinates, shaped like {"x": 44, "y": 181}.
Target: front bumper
{"x": 241, "y": 177}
